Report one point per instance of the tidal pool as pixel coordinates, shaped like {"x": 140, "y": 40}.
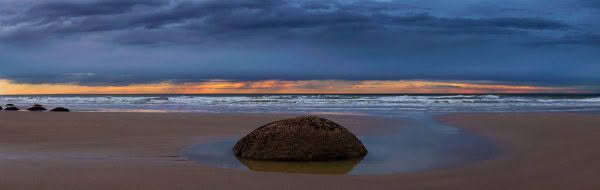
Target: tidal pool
{"x": 427, "y": 145}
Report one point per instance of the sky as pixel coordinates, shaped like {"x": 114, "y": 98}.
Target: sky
{"x": 299, "y": 46}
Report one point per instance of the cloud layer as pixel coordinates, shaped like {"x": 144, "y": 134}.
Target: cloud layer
{"x": 122, "y": 42}
{"x": 284, "y": 87}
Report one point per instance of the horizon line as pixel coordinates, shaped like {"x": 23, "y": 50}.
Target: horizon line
{"x": 537, "y": 93}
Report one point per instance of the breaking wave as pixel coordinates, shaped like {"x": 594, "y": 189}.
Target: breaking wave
{"x": 304, "y": 103}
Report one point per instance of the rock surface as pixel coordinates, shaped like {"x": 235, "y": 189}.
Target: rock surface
{"x": 36, "y": 108}
{"x": 306, "y": 138}
{"x": 12, "y": 108}
{"x": 60, "y": 109}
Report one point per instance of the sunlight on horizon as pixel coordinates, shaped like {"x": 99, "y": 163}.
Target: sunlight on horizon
{"x": 283, "y": 87}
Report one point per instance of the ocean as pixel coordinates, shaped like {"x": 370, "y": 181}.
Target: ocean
{"x": 388, "y": 105}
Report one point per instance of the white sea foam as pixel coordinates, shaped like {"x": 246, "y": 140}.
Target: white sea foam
{"x": 597, "y": 99}
{"x": 291, "y": 103}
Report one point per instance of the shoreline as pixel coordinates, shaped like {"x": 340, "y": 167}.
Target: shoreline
{"x": 139, "y": 151}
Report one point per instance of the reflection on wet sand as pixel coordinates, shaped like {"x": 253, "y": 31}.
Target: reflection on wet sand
{"x": 421, "y": 145}
{"x": 329, "y": 167}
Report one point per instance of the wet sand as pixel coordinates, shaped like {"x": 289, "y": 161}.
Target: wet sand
{"x": 140, "y": 151}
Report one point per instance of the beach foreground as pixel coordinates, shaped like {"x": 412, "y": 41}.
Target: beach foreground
{"x": 140, "y": 151}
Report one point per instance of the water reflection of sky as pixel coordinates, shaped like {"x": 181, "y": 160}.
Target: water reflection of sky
{"x": 425, "y": 146}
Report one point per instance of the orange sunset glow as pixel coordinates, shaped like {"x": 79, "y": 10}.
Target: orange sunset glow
{"x": 282, "y": 87}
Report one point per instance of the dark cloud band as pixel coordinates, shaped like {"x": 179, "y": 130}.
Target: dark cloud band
{"x": 144, "y": 41}
{"x": 242, "y": 18}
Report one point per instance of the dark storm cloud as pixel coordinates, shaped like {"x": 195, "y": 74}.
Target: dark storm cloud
{"x": 590, "y": 3}
{"x": 141, "y": 41}
{"x": 201, "y": 17}
{"x": 581, "y": 39}
{"x": 505, "y": 22}
{"x": 53, "y": 9}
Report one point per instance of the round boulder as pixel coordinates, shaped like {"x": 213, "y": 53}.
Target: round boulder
{"x": 306, "y": 138}
{"x": 36, "y": 108}
{"x": 12, "y": 108}
{"x": 60, "y": 109}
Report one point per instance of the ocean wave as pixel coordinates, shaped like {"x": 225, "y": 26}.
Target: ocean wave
{"x": 275, "y": 103}
{"x": 590, "y": 99}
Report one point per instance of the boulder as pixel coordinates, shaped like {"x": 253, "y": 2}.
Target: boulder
{"x": 36, "y": 108}
{"x": 60, "y": 109}
{"x": 0, "y": 107}
{"x": 10, "y": 105}
{"x": 306, "y": 138}
{"x": 12, "y": 108}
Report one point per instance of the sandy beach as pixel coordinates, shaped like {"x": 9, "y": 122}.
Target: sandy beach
{"x": 140, "y": 151}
